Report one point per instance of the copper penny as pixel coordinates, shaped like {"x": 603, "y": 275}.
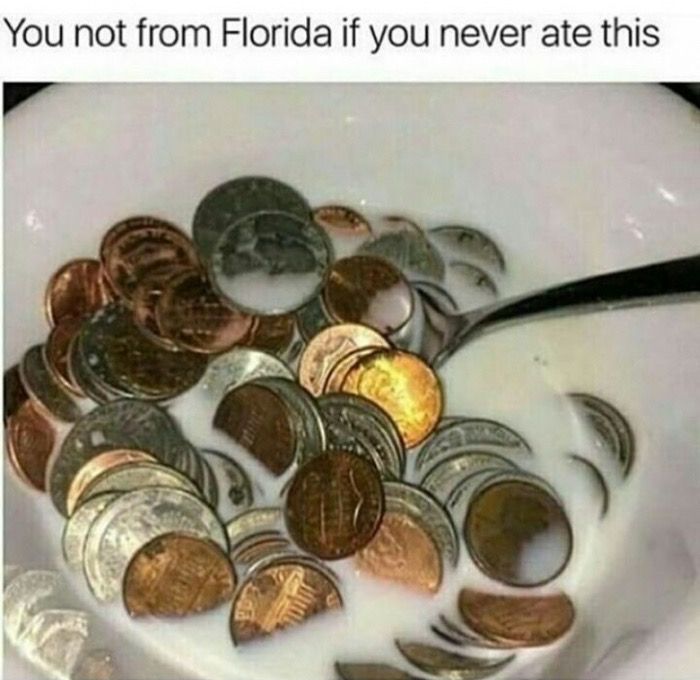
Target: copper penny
{"x": 368, "y": 290}
{"x": 404, "y": 386}
{"x": 530, "y": 621}
{"x": 259, "y": 420}
{"x": 336, "y": 376}
{"x": 194, "y": 317}
{"x": 341, "y": 221}
{"x": 403, "y": 552}
{"x": 272, "y": 333}
{"x": 14, "y": 392}
{"x": 334, "y": 505}
{"x": 30, "y": 441}
{"x": 178, "y": 575}
{"x": 57, "y": 351}
{"x": 328, "y": 347}
{"x": 135, "y": 248}
{"x": 77, "y": 289}
{"x": 278, "y": 596}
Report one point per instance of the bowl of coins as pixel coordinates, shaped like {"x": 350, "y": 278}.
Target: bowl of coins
{"x": 255, "y": 426}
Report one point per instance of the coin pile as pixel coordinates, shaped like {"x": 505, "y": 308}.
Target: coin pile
{"x": 305, "y": 363}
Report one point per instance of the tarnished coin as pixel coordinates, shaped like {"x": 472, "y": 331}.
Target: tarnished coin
{"x": 30, "y": 441}
{"x": 26, "y": 595}
{"x": 272, "y": 333}
{"x": 44, "y": 388}
{"x": 339, "y": 220}
{"x": 271, "y": 262}
{"x": 327, "y": 348}
{"x": 235, "y": 489}
{"x": 312, "y": 318}
{"x": 368, "y": 290}
{"x": 517, "y": 533}
{"x": 177, "y": 575}
{"x": 134, "y": 249}
{"x": 334, "y": 505}
{"x": 371, "y": 671}
{"x": 404, "y": 386}
{"x": 253, "y": 522}
{"x": 75, "y": 290}
{"x": 403, "y": 552}
{"x": 57, "y": 349}
{"x": 195, "y": 317}
{"x": 96, "y": 664}
{"x": 517, "y": 621}
{"x": 238, "y": 198}
{"x": 14, "y": 393}
{"x": 469, "y": 244}
{"x": 281, "y": 595}
{"x": 82, "y": 375}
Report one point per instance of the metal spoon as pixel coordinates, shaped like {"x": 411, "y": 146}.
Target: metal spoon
{"x": 659, "y": 283}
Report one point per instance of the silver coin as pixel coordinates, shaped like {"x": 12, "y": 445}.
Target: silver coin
{"x": 271, "y": 263}
{"x": 410, "y": 337}
{"x": 469, "y": 244}
{"x": 134, "y": 519}
{"x": 422, "y": 507}
{"x": 253, "y": 522}
{"x": 312, "y": 318}
{"x": 237, "y": 366}
{"x": 81, "y": 375}
{"x": 236, "y": 490}
{"x": 229, "y": 202}
{"x": 76, "y": 528}
{"x": 472, "y": 277}
{"x": 195, "y": 470}
{"x": 371, "y": 671}
{"x": 467, "y": 636}
{"x": 44, "y": 388}
{"x": 410, "y": 251}
{"x": 251, "y": 551}
{"x": 598, "y": 480}
{"x": 438, "y": 296}
{"x": 27, "y": 594}
{"x": 210, "y": 485}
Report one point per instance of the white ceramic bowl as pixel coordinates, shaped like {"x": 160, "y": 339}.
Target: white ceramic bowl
{"x": 572, "y": 179}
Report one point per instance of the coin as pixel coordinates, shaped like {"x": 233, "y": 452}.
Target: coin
{"x": 24, "y": 596}
{"x": 598, "y": 479}
{"x": 436, "y": 295}
{"x": 312, "y": 318}
{"x": 252, "y": 551}
{"x": 30, "y": 442}
{"x": 339, "y": 220}
{"x": 81, "y": 374}
{"x": 135, "y": 248}
{"x": 14, "y": 394}
{"x": 470, "y": 244}
{"x": 371, "y": 671}
{"x": 44, "y": 389}
{"x": 328, "y": 347}
{"x": 339, "y": 371}
{"x": 404, "y": 386}
{"x": 96, "y": 664}
{"x": 468, "y": 637}
{"x": 236, "y": 489}
{"x": 195, "y": 317}
{"x": 517, "y": 533}
{"x": 403, "y": 552}
{"x": 177, "y": 575}
{"x": 278, "y": 596}
{"x": 472, "y": 277}
{"x": 334, "y": 505}
{"x": 272, "y": 333}
{"x": 409, "y": 250}
{"x": 531, "y": 621}
{"x": 270, "y": 262}
{"x": 57, "y": 348}
{"x": 368, "y": 290}
{"x": 253, "y": 522}
{"x": 75, "y": 290}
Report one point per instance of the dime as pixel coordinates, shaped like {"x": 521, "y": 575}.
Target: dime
{"x": 81, "y": 374}
{"x": 598, "y": 479}
{"x": 368, "y": 290}
{"x": 97, "y": 664}
{"x": 75, "y": 290}
{"x": 253, "y": 522}
{"x": 24, "y": 596}
{"x": 44, "y": 389}
{"x": 328, "y": 347}
{"x": 238, "y": 198}
{"x": 339, "y": 220}
{"x": 272, "y": 333}
{"x": 177, "y": 575}
{"x": 232, "y": 480}
{"x": 334, "y": 505}
{"x": 517, "y": 533}
{"x": 134, "y": 249}
{"x": 371, "y": 671}
{"x": 57, "y": 349}
{"x": 404, "y": 386}
{"x": 280, "y": 595}
{"x": 14, "y": 394}
{"x": 403, "y": 552}
{"x": 312, "y": 318}
{"x": 195, "y": 318}
{"x": 30, "y": 442}
{"x": 270, "y": 262}
{"x": 517, "y": 621}
{"x": 470, "y": 244}
{"x": 252, "y": 551}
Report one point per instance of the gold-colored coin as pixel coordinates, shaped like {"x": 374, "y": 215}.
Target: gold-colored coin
{"x": 403, "y": 552}
{"x": 404, "y": 386}
{"x": 336, "y": 376}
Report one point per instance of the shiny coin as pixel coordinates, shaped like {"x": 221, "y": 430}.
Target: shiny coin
{"x": 272, "y": 333}
{"x": 368, "y": 290}
{"x": 517, "y": 533}
{"x": 371, "y": 671}
{"x": 235, "y": 489}
{"x": 75, "y": 290}
{"x": 271, "y": 263}
{"x": 404, "y": 386}
{"x": 44, "y": 389}
{"x": 27, "y": 594}
{"x": 598, "y": 481}
{"x": 253, "y": 522}
{"x": 341, "y": 221}
{"x": 281, "y": 595}
{"x": 312, "y": 318}
{"x": 469, "y": 244}
{"x": 30, "y": 442}
{"x": 402, "y": 552}
{"x": 334, "y": 505}
{"x": 57, "y": 349}
{"x": 328, "y": 347}
{"x": 238, "y": 198}
{"x": 517, "y": 621}
{"x": 14, "y": 394}
{"x": 177, "y": 575}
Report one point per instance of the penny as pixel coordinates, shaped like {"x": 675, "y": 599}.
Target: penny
{"x": 177, "y": 575}
{"x": 339, "y": 220}
{"x": 75, "y": 290}
{"x": 530, "y": 621}
{"x": 233, "y": 482}
{"x": 371, "y": 671}
{"x": 334, "y": 505}
{"x": 404, "y": 386}
{"x": 368, "y": 290}
{"x": 278, "y": 596}
{"x": 134, "y": 249}
{"x": 327, "y": 348}
{"x": 409, "y": 250}
{"x": 96, "y": 664}
{"x": 272, "y": 333}
{"x": 312, "y": 318}
{"x": 470, "y": 244}
{"x": 30, "y": 442}
{"x": 598, "y": 480}
{"x": 26, "y": 595}
{"x": 14, "y": 393}
{"x": 402, "y": 552}
{"x": 57, "y": 349}
{"x": 517, "y": 533}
